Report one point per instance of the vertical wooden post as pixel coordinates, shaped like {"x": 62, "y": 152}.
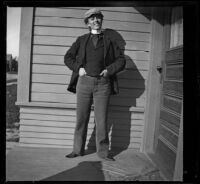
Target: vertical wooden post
{"x": 23, "y": 83}
{"x": 153, "y": 86}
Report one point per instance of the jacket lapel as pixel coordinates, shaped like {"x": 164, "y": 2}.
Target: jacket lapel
{"x": 83, "y": 49}
{"x": 106, "y": 41}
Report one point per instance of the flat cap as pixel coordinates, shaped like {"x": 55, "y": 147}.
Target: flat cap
{"x": 91, "y": 12}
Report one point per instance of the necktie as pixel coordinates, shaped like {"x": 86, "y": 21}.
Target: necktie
{"x": 95, "y": 38}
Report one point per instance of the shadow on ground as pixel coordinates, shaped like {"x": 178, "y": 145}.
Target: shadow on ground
{"x": 84, "y": 171}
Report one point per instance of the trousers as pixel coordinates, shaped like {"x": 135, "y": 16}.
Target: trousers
{"x": 92, "y": 90}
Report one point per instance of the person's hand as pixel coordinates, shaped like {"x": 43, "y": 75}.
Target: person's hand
{"x": 82, "y": 72}
{"x": 104, "y": 73}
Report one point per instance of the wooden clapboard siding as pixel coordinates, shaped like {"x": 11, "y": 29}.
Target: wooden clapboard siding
{"x": 78, "y": 13}
{"x": 60, "y": 51}
{"x": 52, "y": 114}
{"x": 78, "y": 23}
{"x": 113, "y": 112}
{"x": 63, "y": 111}
{"x": 53, "y": 111}
{"x": 63, "y": 136}
{"x": 58, "y": 70}
{"x": 117, "y": 9}
{"x": 66, "y": 41}
{"x": 74, "y": 32}
{"x": 122, "y": 117}
{"x": 38, "y": 145}
{"x": 42, "y": 125}
{"x": 135, "y": 134}
{"x": 58, "y": 60}
{"x": 136, "y": 131}
{"x": 71, "y": 124}
{"x": 61, "y": 89}
{"x": 54, "y": 31}
{"x": 50, "y": 78}
{"x": 66, "y": 142}
{"x": 53, "y": 97}
{"x": 64, "y": 79}
{"x": 71, "y": 99}
{"x": 63, "y": 143}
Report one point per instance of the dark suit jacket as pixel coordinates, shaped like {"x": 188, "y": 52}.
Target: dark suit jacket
{"x": 114, "y": 60}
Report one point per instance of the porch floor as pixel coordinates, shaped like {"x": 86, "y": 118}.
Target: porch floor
{"x": 50, "y": 164}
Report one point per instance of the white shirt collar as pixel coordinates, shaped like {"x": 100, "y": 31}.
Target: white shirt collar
{"x": 94, "y": 31}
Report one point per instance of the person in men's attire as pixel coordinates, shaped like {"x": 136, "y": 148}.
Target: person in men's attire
{"x": 95, "y": 59}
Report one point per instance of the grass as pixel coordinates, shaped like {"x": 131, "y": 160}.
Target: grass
{"x": 12, "y": 114}
{"x": 12, "y": 111}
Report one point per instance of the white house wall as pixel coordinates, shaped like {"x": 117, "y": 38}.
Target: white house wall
{"x": 54, "y": 30}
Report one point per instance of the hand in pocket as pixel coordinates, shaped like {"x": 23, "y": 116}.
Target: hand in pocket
{"x": 104, "y": 73}
{"x": 82, "y": 72}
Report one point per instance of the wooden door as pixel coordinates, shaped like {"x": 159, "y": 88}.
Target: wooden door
{"x": 168, "y": 133}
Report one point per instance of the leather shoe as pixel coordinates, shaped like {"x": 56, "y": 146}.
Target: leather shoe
{"x": 108, "y": 158}
{"x": 73, "y": 155}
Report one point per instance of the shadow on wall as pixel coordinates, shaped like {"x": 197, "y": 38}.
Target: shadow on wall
{"x": 84, "y": 171}
{"x": 131, "y": 86}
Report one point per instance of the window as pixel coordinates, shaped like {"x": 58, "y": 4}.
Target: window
{"x": 176, "y": 27}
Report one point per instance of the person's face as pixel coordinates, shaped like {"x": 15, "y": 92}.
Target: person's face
{"x": 95, "y": 22}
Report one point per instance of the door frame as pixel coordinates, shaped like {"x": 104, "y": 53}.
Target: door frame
{"x": 160, "y": 31}
{"x": 153, "y": 83}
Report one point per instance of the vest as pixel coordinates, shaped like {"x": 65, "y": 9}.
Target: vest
{"x": 94, "y": 60}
